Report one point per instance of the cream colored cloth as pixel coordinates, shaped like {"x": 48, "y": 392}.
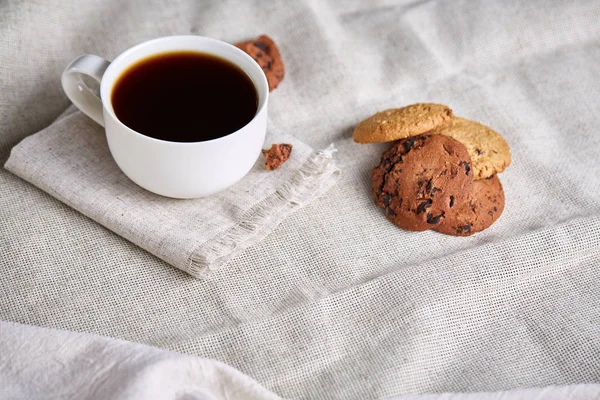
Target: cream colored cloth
{"x": 39, "y": 363}
{"x": 337, "y": 300}
{"x": 572, "y": 392}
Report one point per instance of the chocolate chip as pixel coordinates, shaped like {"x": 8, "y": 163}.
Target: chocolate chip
{"x": 424, "y": 206}
{"x": 495, "y": 209}
{"x": 451, "y": 201}
{"x": 429, "y": 185}
{"x": 420, "y": 183}
{"x": 261, "y": 45}
{"x": 380, "y": 188}
{"x": 434, "y": 220}
{"x": 390, "y": 212}
{"x": 466, "y": 165}
{"x": 391, "y": 159}
{"x": 463, "y": 229}
{"x": 430, "y": 188}
{"x": 387, "y": 199}
{"x": 408, "y": 144}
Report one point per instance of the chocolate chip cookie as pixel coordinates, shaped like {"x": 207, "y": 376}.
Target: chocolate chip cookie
{"x": 400, "y": 123}
{"x": 489, "y": 151}
{"x": 265, "y": 52}
{"x": 420, "y": 179}
{"x": 480, "y": 211}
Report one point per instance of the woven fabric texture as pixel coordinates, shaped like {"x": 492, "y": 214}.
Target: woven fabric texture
{"x": 336, "y": 302}
{"x": 71, "y": 161}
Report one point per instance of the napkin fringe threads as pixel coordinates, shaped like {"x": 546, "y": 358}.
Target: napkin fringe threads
{"x": 315, "y": 177}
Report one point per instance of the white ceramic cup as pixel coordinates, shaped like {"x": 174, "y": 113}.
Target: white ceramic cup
{"x": 172, "y": 169}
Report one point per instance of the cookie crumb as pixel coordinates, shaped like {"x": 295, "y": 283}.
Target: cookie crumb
{"x": 266, "y": 53}
{"x": 276, "y": 155}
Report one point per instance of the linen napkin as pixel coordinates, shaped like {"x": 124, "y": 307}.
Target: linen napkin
{"x": 71, "y": 161}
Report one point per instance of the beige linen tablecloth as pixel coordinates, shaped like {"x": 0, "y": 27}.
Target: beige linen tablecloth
{"x": 337, "y": 302}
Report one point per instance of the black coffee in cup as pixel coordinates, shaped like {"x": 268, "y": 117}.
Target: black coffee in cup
{"x": 184, "y": 97}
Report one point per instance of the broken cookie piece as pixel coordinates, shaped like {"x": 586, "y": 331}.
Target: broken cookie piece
{"x": 265, "y": 52}
{"x": 276, "y": 155}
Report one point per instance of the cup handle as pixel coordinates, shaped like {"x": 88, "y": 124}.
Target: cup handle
{"x": 78, "y": 92}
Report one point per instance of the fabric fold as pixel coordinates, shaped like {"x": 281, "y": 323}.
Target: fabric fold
{"x": 45, "y": 363}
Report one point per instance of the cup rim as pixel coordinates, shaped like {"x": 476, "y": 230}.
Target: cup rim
{"x": 105, "y": 88}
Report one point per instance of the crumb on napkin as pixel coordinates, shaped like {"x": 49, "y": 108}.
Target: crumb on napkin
{"x": 276, "y": 155}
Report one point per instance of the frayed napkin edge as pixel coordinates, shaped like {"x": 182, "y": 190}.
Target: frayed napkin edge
{"x": 315, "y": 177}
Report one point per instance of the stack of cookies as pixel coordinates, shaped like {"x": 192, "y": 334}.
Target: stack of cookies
{"x": 441, "y": 171}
